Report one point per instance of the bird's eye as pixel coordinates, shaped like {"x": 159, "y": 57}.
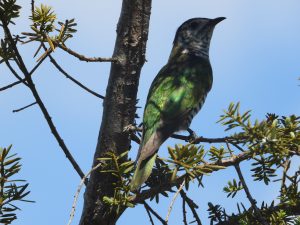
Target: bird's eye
{"x": 194, "y": 25}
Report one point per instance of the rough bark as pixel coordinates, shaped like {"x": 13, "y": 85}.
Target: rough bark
{"x": 119, "y": 105}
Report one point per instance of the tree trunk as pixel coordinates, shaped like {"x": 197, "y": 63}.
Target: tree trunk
{"x": 119, "y": 105}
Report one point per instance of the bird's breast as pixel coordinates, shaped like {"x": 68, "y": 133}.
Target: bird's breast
{"x": 192, "y": 114}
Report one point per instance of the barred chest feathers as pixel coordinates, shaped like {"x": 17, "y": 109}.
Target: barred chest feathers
{"x": 193, "y": 112}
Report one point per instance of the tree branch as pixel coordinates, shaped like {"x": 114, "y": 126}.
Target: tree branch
{"x": 203, "y": 139}
{"x": 184, "y": 212}
{"x": 25, "y": 107}
{"x": 53, "y": 61}
{"x": 84, "y": 58}
{"x": 155, "y": 213}
{"x": 173, "y": 201}
{"x": 149, "y": 214}
{"x": 11, "y": 85}
{"x": 39, "y": 101}
{"x": 191, "y": 205}
{"x": 260, "y": 217}
{"x": 286, "y": 167}
{"x": 83, "y": 180}
{"x": 22, "y": 80}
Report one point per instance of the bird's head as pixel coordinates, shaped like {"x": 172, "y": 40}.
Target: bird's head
{"x": 194, "y": 35}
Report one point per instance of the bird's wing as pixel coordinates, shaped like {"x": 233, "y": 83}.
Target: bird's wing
{"x": 169, "y": 103}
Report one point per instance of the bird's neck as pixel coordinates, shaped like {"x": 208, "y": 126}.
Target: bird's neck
{"x": 180, "y": 50}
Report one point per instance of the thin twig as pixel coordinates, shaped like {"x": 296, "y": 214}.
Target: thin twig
{"x": 135, "y": 138}
{"x": 187, "y": 199}
{"x": 32, "y": 6}
{"x": 191, "y": 205}
{"x": 24, "y": 79}
{"x": 53, "y": 61}
{"x": 184, "y": 212}
{"x": 286, "y": 167}
{"x": 173, "y": 201}
{"x": 245, "y": 187}
{"x": 202, "y": 139}
{"x": 260, "y": 218}
{"x": 131, "y": 129}
{"x": 236, "y": 145}
{"x": 149, "y": 214}
{"x": 197, "y": 140}
{"x": 229, "y": 149}
{"x": 154, "y": 213}
{"x": 21, "y": 80}
{"x": 38, "y": 64}
{"x": 84, "y": 58}
{"x": 11, "y": 85}
{"x": 25, "y": 107}
{"x": 78, "y": 192}
{"x": 31, "y": 85}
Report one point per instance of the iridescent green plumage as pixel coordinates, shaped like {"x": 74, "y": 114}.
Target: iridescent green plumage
{"x": 176, "y": 94}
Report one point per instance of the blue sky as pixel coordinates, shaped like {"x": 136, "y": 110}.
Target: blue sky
{"x": 255, "y": 57}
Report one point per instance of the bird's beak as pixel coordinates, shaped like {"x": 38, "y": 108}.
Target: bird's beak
{"x": 217, "y": 20}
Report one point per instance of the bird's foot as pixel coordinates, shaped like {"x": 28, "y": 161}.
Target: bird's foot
{"x": 192, "y": 137}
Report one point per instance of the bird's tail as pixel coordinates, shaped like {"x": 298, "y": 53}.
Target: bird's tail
{"x": 142, "y": 172}
{"x": 146, "y": 159}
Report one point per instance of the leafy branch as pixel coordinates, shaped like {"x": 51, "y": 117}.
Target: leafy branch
{"x": 11, "y": 190}
{"x": 268, "y": 143}
{"x": 121, "y": 170}
{"x": 45, "y": 31}
{"x": 232, "y": 188}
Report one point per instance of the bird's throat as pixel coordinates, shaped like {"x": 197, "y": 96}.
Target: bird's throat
{"x": 180, "y": 50}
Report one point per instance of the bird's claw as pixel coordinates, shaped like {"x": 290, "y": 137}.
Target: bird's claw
{"x": 192, "y": 135}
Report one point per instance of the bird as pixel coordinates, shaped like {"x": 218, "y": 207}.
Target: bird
{"x": 177, "y": 93}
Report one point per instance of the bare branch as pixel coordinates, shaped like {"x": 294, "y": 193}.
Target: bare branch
{"x": 53, "y": 61}
{"x": 83, "y": 180}
{"x": 21, "y": 80}
{"x": 25, "y": 107}
{"x": 203, "y": 139}
{"x": 191, "y": 205}
{"x": 149, "y": 214}
{"x": 173, "y": 201}
{"x": 286, "y": 167}
{"x": 135, "y": 138}
{"x": 154, "y": 213}
{"x": 84, "y": 58}
{"x": 11, "y": 85}
{"x": 131, "y": 129}
{"x": 32, "y": 6}
{"x": 184, "y": 212}
{"x": 249, "y": 196}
